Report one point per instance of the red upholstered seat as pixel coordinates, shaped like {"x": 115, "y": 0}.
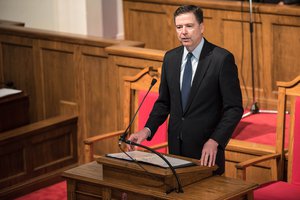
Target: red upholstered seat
{"x": 161, "y": 134}
{"x": 278, "y": 191}
{"x": 260, "y": 128}
{"x": 286, "y": 190}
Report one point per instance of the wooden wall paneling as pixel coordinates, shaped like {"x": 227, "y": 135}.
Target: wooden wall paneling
{"x": 79, "y": 103}
{"x": 20, "y": 69}
{"x": 48, "y": 151}
{"x": 275, "y": 33}
{"x": 37, "y": 104}
{"x": 59, "y": 66}
{"x": 281, "y": 40}
{"x": 145, "y": 20}
{"x": 286, "y": 44}
{"x": 14, "y": 155}
{"x": 2, "y": 83}
{"x": 99, "y": 92}
{"x": 236, "y": 38}
{"x": 35, "y": 154}
{"x": 213, "y": 26}
{"x": 58, "y": 75}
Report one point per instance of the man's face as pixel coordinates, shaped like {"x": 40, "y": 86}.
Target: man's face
{"x": 189, "y": 31}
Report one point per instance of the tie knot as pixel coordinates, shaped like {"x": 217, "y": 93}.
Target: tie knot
{"x": 189, "y": 55}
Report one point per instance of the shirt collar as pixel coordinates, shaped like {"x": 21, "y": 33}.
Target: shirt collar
{"x": 196, "y": 52}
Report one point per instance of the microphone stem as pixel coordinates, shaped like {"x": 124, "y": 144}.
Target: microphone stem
{"x": 123, "y": 137}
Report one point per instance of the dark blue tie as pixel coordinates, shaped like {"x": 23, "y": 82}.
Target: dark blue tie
{"x": 186, "y": 81}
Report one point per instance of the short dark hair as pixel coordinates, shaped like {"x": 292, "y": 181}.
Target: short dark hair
{"x": 197, "y": 11}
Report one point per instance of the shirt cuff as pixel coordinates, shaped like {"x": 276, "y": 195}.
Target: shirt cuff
{"x": 149, "y": 132}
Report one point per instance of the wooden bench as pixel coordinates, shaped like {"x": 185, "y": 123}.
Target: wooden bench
{"x": 34, "y": 155}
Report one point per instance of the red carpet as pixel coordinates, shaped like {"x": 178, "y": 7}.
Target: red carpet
{"x": 57, "y": 191}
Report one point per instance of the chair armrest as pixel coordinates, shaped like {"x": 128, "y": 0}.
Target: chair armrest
{"x": 89, "y": 143}
{"x": 241, "y": 167}
{"x": 159, "y": 146}
{"x": 91, "y": 140}
{"x": 156, "y": 146}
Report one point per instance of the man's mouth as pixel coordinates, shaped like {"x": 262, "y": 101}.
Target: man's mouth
{"x": 185, "y": 39}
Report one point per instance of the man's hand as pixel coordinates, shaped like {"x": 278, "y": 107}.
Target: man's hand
{"x": 209, "y": 152}
{"x": 138, "y": 137}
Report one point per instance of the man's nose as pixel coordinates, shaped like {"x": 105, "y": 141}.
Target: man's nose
{"x": 184, "y": 31}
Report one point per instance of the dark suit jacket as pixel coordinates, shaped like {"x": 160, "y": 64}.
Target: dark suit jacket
{"x": 214, "y": 107}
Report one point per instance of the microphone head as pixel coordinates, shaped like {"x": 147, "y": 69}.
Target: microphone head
{"x": 153, "y": 81}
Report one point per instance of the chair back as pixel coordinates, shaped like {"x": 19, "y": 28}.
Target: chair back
{"x": 294, "y": 152}
{"x": 135, "y": 88}
{"x": 289, "y": 91}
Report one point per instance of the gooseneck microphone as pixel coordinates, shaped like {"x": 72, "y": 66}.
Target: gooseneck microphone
{"x": 124, "y": 136}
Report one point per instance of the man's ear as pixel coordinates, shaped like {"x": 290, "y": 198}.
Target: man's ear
{"x": 202, "y": 27}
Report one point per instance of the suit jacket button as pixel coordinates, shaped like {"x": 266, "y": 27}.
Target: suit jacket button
{"x": 182, "y": 118}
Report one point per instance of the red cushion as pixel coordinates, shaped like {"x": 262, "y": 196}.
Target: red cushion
{"x": 161, "y": 133}
{"x": 259, "y": 128}
{"x": 296, "y": 153}
{"x": 277, "y": 191}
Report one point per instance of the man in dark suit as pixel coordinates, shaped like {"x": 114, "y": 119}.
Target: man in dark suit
{"x": 200, "y": 91}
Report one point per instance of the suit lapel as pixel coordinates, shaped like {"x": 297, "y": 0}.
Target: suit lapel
{"x": 177, "y": 61}
{"x": 202, "y": 67}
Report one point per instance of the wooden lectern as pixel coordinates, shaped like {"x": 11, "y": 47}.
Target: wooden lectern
{"x": 155, "y": 177}
{"x": 110, "y": 178}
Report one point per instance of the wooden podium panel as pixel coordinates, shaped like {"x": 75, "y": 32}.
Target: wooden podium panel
{"x": 160, "y": 179}
{"x": 88, "y": 182}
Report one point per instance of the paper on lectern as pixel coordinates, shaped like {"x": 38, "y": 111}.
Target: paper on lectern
{"x": 151, "y": 158}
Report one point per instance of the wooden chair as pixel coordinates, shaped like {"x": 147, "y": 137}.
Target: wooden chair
{"x": 282, "y": 189}
{"x": 133, "y": 87}
{"x": 270, "y": 156}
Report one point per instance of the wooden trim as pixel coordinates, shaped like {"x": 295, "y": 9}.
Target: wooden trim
{"x": 135, "y": 52}
{"x": 289, "y": 84}
{"x": 292, "y": 10}
{"x": 64, "y": 37}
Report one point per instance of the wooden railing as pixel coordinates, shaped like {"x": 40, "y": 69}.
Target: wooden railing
{"x": 52, "y": 66}
{"x": 35, "y": 155}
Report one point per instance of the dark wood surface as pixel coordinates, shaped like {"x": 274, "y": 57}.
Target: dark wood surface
{"x": 88, "y": 182}
{"x": 14, "y": 111}
{"x": 34, "y": 156}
